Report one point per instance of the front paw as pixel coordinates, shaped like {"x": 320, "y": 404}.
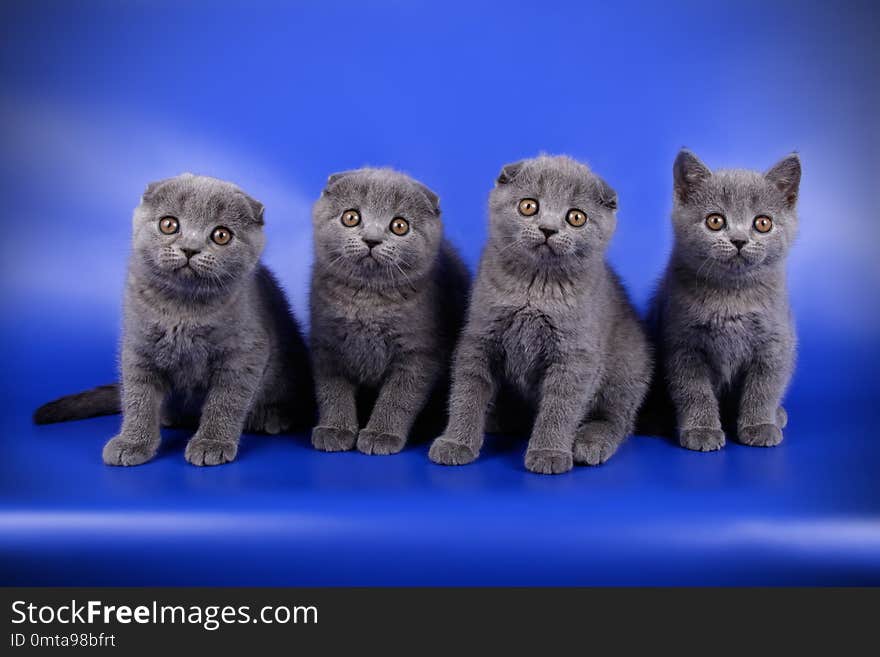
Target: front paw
{"x": 449, "y": 452}
{"x": 375, "y": 442}
{"x": 333, "y": 439}
{"x": 594, "y": 452}
{"x": 760, "y": 435}
{"x": 123, "y": 451}
{"x": 702, "y": 440}
{"x": 205, "y": 451}
{"x": 548, "y": 461}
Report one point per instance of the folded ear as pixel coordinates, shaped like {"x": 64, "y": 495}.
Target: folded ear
{"x": 509, "y": 172}
{"x": 256, "y": 207}
{"x": 430, "y": 196}
{"x": 152, "y": 188}
{"x": 688, "y": 173}
{"x": 334, "y": 178}
{"x": 607, "y": 195}
{"x": 786, "y": 176}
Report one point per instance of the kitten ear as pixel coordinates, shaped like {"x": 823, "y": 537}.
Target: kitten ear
{"x": 150, "y": 191}
{"x": 430, "y": 196}
{"x": 607, "y": 196}
{"x": 688, "y": 173}
{"x": 509, "y": 172}
{"x": 786, "y": 176}
{"x": 334, "y": 178}
{"x": 257, "y": 208}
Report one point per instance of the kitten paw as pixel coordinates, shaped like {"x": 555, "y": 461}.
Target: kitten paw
{"x": 593, "y": 452}
{"x": 702, "y": 440}
{"x": 332, "y": 439}
{"x": 374, "y": 442}
{"x": 781, "y": 417}
{"x": 122, "y": 451}
{"x": 760, "y": 435}
{"x": 275, "y": 420}
{"x": 548, "y": 461}
{"x": 449, "y": 452}
{"x": 204, "y": 451}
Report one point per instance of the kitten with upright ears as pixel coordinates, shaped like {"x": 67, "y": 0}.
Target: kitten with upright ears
{"x": 387, "y": 301}
{"x": 725, "y": 334}
{"x": 550, "y": 317}
{"x": 207, "y": 330}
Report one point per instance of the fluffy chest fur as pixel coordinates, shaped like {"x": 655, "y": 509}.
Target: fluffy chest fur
{"x": 181, "y": 342}
{"x": 534, "y": 325}
{"x": 731, "y": 327}
{"x": 364, "y": 332}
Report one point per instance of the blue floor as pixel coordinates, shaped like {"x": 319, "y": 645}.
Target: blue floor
{"x": 807, "y": 512}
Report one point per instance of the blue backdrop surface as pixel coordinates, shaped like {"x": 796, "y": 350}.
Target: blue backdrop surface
{"x": 98, "y": 98}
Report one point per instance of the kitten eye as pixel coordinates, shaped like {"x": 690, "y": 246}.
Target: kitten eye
{"x": 576, "y": 218}
{"x": 715, "y": 221}
{"x": 351, "y": 218}
{"x": 169, "y": 225}
{"x": 399, "y": 226}
{"x": 528, "y": 207}
{"x": 221, "y": 235}
{"x": 763, "y": 223}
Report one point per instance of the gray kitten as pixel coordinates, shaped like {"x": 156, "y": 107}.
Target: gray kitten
{"x": 207, "y": 330}
{"x": 549, "y": 316}
{"x": 725, "y": 334}
{"x": 387, "y": 302}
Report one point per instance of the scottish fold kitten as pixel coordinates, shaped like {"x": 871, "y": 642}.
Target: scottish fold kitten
{"x": 550, "y": 317}
{"x": 725, "y": 334}
{"x": 387, "y": 302}
{"x": 206, "y": 331}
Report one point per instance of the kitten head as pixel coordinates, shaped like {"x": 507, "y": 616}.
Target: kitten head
{"x": 731, "y": 223}
{"x": 376, "y": 227}
{"x": 551, "y": 213}
{"x": 195, "y": 235}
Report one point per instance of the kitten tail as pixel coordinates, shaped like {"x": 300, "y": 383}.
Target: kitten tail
{"x": 103, "y": 400}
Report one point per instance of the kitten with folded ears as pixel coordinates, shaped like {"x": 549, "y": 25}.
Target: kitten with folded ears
{"x": 550, "y": 318}
{"x": 388, "y": 294}
{"x": 208, "y": 336}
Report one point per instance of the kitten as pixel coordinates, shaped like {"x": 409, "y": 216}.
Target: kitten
{"x": 387, "y": 302}
{"x": 207, "y": 330}
{"x": 549, "y": 316}
{"x": 726, "y": 340}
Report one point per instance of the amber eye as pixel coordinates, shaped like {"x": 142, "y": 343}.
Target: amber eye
{"x": 221, "y": 235}
{"x": 528, "y": 207}
{"x": 351, "y": 218}
{"x": 168, "y": 225}
{"x": 576, "y": 218}
{"x": 399, "y": 226}
{"x": 763, "y": 223}
{"x": 715, "y": 221}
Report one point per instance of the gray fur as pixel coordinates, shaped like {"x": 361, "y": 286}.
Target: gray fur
{"x": 726, "y": 339}
{"x": 549, "y": 317}
{"x": 210, "y": 335}
{"x": 382, "y": 321}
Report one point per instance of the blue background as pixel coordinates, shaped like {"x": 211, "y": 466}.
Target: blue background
{"x": 98, "y": 98}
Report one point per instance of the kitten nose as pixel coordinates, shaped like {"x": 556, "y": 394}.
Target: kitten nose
{"x": 372, "y": 243}
{"x": 189, "y": 253}
{"x": 548, "y": 232}
{"x": 739, "y": 244}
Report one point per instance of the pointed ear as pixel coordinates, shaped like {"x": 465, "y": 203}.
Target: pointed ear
{"x": 509, "y": 172}
{"x": 256, "y": 207}
{"x": 688, "y": 173}
{"x": 430, "y": 196}
{"x": 607, "y": 196}
{"x": 786, "y": 176}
